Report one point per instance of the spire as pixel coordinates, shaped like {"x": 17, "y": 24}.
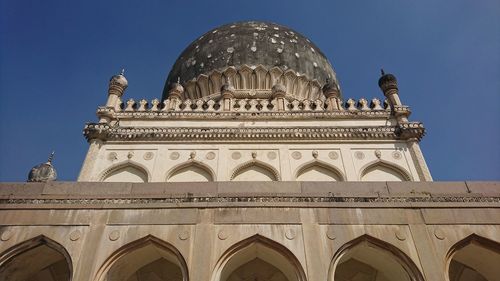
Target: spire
{"x": 122, "y": 73}
{"x": 51, "y": 157}
{"x": 382, "y": 73}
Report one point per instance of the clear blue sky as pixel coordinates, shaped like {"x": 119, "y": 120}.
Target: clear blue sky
{"x": 56, "y": 58}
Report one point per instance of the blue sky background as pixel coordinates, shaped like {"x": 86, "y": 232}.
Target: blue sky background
{"x": 56, "y": 58}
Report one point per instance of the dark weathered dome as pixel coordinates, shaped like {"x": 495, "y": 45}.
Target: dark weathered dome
{"x": 252, "y": 44}
{"x": 43, "y": 172}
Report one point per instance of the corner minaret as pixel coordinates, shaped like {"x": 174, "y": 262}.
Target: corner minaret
{"x": 117, "y": 86}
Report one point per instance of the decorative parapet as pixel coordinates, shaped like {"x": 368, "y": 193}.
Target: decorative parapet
{"x": 282, "y": 134}
{"x": 249, "y": 107}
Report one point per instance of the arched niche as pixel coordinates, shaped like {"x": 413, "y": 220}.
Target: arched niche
{"x": 369, "y": 259}
{"x": 39, "y": 258}
{"x": 125, "y": 172}
{"x": 191, "y": 171}
{"x": 258, "y": 259}
{"x": 318, "y": 171}
{"x": 474, "y": 258}
{"x": 382, "y": 171}
{"x": 146, "y": 259}
{"x": 255, "y": 171}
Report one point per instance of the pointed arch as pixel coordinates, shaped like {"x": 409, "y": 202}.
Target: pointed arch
{"x": 261, "y": 249}
{"x": 129, "y": 259}
{"x": 127, "y": 171}
{"x": 321, "y": 170}
{"x": 462, "y": 260}
{"x": 255, "y": 169}
{"x": 38, "y": 256}
{"x": 381, "y": 170}
{"x": 370, "y": 256}
{"x": 191, "y": 170}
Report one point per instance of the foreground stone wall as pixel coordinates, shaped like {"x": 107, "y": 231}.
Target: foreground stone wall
{"x": 205, "y": 225}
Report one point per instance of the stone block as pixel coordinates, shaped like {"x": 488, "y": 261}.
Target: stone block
{"x": 426, "y": 188}
{"x": 347, "y": 189}
{"x": 258, "y": 187}
{"x": 486, "y": 188}
{"x": 180, "y": 188}
{"x": 97, "y": 189}
{"x": 257, "y": 215}
{"x": 18, "y": 189}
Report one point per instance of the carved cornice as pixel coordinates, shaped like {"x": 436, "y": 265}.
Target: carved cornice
{"x": 413, "y": 130}
{"x": 309, "y": 200}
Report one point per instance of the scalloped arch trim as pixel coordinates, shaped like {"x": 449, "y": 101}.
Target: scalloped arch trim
{"x": 265, "y": 169}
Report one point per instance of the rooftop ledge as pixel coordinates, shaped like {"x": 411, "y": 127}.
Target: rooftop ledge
{"x": 258, "y": 194}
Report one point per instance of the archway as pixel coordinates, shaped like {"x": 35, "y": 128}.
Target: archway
{"x": 255, "y": 171}
{"x": 318, "y": 171}
{"x": 369, "y": 259}
{"x": 258, "y": 259}
{"x": 126, "y": 172}
{"x": 147, "y": 259}
{"x": 37, "y": 259}
{"x": 381, "y": 171}
{"x": 191, "y": 172}
{"x": 474, "y": 259}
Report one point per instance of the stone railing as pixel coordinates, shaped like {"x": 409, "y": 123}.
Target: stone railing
{"x": 248, "y": 105}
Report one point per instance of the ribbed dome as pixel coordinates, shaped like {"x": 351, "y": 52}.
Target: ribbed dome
{"x": 251, "y": 44}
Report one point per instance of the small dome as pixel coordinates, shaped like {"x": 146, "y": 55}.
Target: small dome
{"x": 251, "y": 46}
{"x": 119, "y": 79}
{"x": 43, "y": 172}
{"x": 387, "y": 81}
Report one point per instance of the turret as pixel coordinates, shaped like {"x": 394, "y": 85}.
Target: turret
{"x": 332, "y": 94}
{"x": 227, "y": 92}
{"x": 117, "y": 85}
{"x": 389, "y": 86}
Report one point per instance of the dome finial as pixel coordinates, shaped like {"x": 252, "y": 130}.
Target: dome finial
{"x": 382, "y": 73}
{"x": 51, "y": 157}
{"x": 122, "y": 72}
{"x": 178, "y": 79}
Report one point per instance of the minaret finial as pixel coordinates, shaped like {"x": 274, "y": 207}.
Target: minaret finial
{"x": 122, "y": 72}
{"x": 51, "y": 156}
{"x": 382, "y": 72}
{"x": 178, "y": 79}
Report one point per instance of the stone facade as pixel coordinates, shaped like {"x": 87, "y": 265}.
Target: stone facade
{"x": 253, "y": 230}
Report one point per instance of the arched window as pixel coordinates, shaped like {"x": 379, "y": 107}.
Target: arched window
{"x": 255, "y": 171}
{"x": 381, "y": 171}
{"x": 148, "y": 258}
{"x": 474, "y": 259}
{"x": 368, "y": 259}
{"x": 126, "y": 172}
{"x": 258, "y": 259}
{"x": 36, "y": 259}
{"x": 191, "y": 172}
{"x": 317, "y": 171}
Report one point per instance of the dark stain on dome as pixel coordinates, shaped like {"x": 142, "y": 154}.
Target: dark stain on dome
{"x": 251, "y": 43}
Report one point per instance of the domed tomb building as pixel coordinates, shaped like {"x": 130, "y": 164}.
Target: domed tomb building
{"x": 253, "y": 165}
{"x": 254, "y": 101}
